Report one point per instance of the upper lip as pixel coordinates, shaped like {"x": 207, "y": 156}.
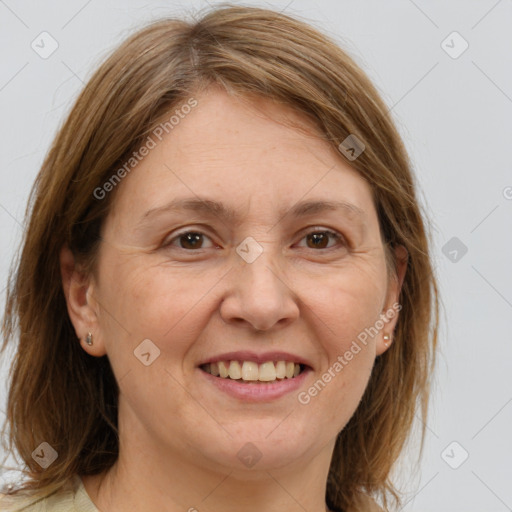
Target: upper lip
{"x": 247, "y": 355}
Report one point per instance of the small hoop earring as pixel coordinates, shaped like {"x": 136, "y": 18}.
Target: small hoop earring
{"x": 88, "y": 339}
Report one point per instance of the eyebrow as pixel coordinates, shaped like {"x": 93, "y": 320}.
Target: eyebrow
{"x": 227, "y": 214}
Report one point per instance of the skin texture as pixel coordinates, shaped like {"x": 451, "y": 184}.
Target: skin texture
{"x": 180, "y": 435}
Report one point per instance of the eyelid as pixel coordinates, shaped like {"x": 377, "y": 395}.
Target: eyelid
{"x": 339, "y": 237}
{"x": 317, "y": 229}
{"x": 184, "y": 231}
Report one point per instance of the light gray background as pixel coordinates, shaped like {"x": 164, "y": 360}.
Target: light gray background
{"x": 455, "y": 115}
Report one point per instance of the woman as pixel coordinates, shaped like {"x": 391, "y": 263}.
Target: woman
{"x": 225, "y": 297}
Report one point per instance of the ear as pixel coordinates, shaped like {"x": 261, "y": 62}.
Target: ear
{"x": 389, "y": 315}
{"x": 82, "y": 308}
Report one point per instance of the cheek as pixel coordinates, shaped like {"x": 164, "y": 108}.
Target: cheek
{"x": 347, "y": 301}
{"x": 346, "y": 306}
{"x": 161, "y": 304}
{"x": 168, "y": 305}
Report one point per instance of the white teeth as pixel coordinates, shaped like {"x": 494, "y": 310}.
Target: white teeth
{"x": 251, "y": 371}
{"x": 267, "y": 371}
{"x": 235, "y": 371}
{"x": 223, "y": 369}
{"x": 281, "y": 369}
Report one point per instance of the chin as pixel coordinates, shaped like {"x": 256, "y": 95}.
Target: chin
{"x": 256, "y": 449}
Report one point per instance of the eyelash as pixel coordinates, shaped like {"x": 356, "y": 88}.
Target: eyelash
{"x": 334, "y": 234}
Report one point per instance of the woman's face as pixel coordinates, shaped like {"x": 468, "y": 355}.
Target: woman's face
{"x": 256, "y": 286}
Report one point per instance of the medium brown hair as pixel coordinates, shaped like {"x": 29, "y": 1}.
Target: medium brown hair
{"x": 60, "y": 394}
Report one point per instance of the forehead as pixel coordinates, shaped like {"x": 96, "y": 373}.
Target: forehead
{"x": 240, "y": 151}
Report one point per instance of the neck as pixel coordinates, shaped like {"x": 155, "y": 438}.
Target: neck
{"x": 152, "y": 473}
{"x": 156, "y": 481}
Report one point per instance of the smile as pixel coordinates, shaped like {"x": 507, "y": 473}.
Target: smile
{"x": 252, "y": 372}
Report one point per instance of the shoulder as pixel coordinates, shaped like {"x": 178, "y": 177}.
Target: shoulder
{"x": 17, "y": 502}
{"x": 59, "y": 502}
{"x": 69, "y": 499}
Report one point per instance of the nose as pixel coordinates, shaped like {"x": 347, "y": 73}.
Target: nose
{"x": 261, "y": 296}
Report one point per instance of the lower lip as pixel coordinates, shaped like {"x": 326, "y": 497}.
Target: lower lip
{"x": 256, "y": 392}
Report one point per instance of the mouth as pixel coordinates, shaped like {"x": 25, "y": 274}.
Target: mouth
{"x": 250, "y": 372}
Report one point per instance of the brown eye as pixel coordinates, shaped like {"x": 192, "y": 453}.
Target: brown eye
{"x": 194, "y": 240}
{"x": 320, "y": 239}
{"x": 189, "y": 240}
